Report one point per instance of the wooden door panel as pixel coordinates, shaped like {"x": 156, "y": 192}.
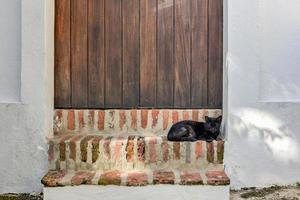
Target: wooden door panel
{"x": 113, "y": 53}
{"x": 62, "y": 54}
{"x": 138, "y": 53}
{"x": 199, "y": 64}
{"x": 182, "y": 53}
{"x": 96, "y": 53}
{"x": 165, "y": 54}
{"x": 148, "y": 53}
{"x": 131, "y": 52}
{"x": 79, "y": 53}
{"x": 215, "y": 42}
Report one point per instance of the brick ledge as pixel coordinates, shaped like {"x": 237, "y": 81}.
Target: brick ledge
{"x": 56, "y": 178}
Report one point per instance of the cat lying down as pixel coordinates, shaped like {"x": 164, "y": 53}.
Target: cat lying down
{"x": 193, "y": 131}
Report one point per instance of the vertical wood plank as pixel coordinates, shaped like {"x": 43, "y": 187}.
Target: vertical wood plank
{"x": 215, "y": 86}
{"x": 79, "y": 53}
{"x": 182, "y": 53}
{"x": 148, "y": 11}
{"x": 113, "y": 55}
{"x": 199, "y": 75}
{"x": 96, "y": 53}
{"x": 62, "y": 54}
{"x": 131, "y": 56}
{"x": 165, "y": 48}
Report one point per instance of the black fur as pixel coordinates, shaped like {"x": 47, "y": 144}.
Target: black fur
{"x": 193, "y": 131}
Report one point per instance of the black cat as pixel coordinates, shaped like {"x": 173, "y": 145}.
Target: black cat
{"x": 193, "y": 131}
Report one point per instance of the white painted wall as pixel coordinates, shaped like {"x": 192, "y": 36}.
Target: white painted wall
{"x": 263, "y": 107}
{"x": 280, "y": 53}
{"x": 25, "y": 125}
{"x": 10, "y": 50}
{"x": 263, "y": 122}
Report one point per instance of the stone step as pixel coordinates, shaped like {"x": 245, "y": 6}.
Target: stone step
{"x": 150, "y": 192}
{"x": 55, "y": 178}
{"x": 133, "y": 152}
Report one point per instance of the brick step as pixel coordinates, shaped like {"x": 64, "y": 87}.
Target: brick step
{"x": 106, "y": 152}
{"x": 135, "y": 178}
{"x": 116, "y": 121}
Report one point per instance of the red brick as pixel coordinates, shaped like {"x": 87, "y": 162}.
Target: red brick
{"x": 62, "y": 147}
{"x": 82, "y": 177}
{"x": 152, "y": 149}
{"x": 118, "y": 148}
{"x": 58, "y": 119}
{"x": 220, "y": 152}
{"x": 163, "y": 177}
{"x": 101, "y": 119}
{"x": 175, "y": 116}
{"x": 110, "y": 178}
{"x": 106, "y": 148}
{"x": 73, "y": 146}
{"x": 83, "y": 147}
{"x": 141, "y": 148}
{"x": 81, "y": 119}
{"x": 144, "y": 118}
{"x": 53, "y": 178}
{"x": 91, "y": 117}
{"x": 195, "y": 115}
{"x": 112, "y": 119}
{"x": 58, "y": 114}
{"x": 165, "y": 149}
{"x": 122, "y": 114}
{"x": 137, "y": 179}
{"x": 210, "y": 152}
{"x": 205, "y": 113}
{"x": 186, "y": 115}
{"x": 133, "y": 119}
{"x": 51, "y": 151}
{"x": 188, "y": 152}
{"x": 176, "y": 150}
{"x": 217, "y": 178}
{"x": 154, "y": 117}
{"x": 130, "y": 149}
{"x": 71, "y": 120}
{"x": 190, "y": 178}
{"x": 198, "y": 149}
{"x": 95, "y": 148}
{"x": 165, "y": 119}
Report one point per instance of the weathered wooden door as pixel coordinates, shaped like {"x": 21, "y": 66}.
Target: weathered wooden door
{"x": 138, "y": 53}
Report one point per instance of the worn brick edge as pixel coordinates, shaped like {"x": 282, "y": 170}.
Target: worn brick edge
{"x": 134, "y": 178}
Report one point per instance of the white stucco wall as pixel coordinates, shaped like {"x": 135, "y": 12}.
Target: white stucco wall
{"x": 24, "y": 125}
{"x": 263, "y": 123}
{"x": 263, "y": 107}
{"x": 10, "y": 50}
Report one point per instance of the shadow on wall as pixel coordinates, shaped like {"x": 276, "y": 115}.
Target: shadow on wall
{"x": 261, "y": 127}
{"x": 280, "y": 89}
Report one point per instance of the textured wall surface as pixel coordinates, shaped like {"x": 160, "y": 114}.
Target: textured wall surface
{"x": 262, "y": 132}
{"x": 263, "y": 146}
{"x": 24, "y": 126}
{"x": 10, "y": 50}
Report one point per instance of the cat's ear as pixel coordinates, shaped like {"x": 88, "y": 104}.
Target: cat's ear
{"x": 219, "y": 119}
{"x": 206, "y": 118}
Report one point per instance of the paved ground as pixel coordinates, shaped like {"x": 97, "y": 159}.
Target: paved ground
{"x": 20, "y": 197}
{"x": 272, "y": 193}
